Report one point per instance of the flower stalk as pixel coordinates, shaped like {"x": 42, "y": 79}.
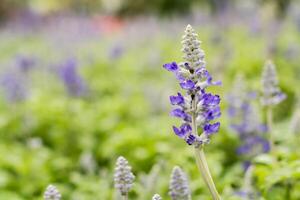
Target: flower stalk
{"x": 204, "y": 170}
{"x": 196, "y": 107}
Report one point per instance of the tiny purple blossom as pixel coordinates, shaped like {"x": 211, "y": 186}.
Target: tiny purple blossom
{"x": 171, "y": 66}
{"x": 180, "y": 114}
{"x": 178, "y": 132}
{"x": 187, "y": 85}
{"x": 186, "y": 128}
{"x": 183, "y": 130}
{"x": 213, "y": 114}
{"x": 211, "y": 128}
{"x": 211, "y": 100}
{"x": 177, "y": 100}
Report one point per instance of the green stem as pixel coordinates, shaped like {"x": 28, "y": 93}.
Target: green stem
{"x": 203, "y": 167}
{"x": 201, "y": 160}
{"x": 270, "y": 126}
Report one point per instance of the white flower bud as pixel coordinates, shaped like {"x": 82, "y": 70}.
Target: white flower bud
{"x": 191, "y": 48}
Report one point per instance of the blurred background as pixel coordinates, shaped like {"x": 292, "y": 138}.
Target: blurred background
{"x": 82, "y": 83}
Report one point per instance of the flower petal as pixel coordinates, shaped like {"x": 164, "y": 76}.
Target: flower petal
{"x": 171, "y": 66}
{"x": 187, "y": 85}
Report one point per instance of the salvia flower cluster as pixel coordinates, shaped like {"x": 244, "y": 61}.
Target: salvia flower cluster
{"x": 245, "y": 121}
{"x": 196, "y": 104}
{"x": 271, "y": 92}
{"x": 123, "y": 176}
{"x": 52, "y": 193}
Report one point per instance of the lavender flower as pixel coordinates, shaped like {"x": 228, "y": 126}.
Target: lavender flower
{"x": 72, "y": 80}
{"x": 245, "y": 121}
{"x": 272, "y": 94}
{"x": 52, "y": 193}
{"x": 196, "y": 104}
{"x": 179, "y": 187}
{"x": 123, "y": 176}
{"x": 156, "y": 197}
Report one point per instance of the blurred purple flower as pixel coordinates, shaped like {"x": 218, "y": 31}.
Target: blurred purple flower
{"x": 25, "y": 63}
{"x": 244, "y": 120}
{"x": 13, "y": 87}
{"x": 73, "y": 82}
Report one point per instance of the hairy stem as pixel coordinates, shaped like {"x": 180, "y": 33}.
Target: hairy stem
{"x": 201, "y": 160}
{"x": 270, "y": 126}
{"x": 203, "y": 167}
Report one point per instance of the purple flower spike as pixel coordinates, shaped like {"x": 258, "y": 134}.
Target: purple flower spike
{"x": 187, "y": 85}
{"x": 196, "y": 108}
{"x": 177, "y": 100}
{"x": 211, "y": 128}
{"x": 171, "y": 66}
